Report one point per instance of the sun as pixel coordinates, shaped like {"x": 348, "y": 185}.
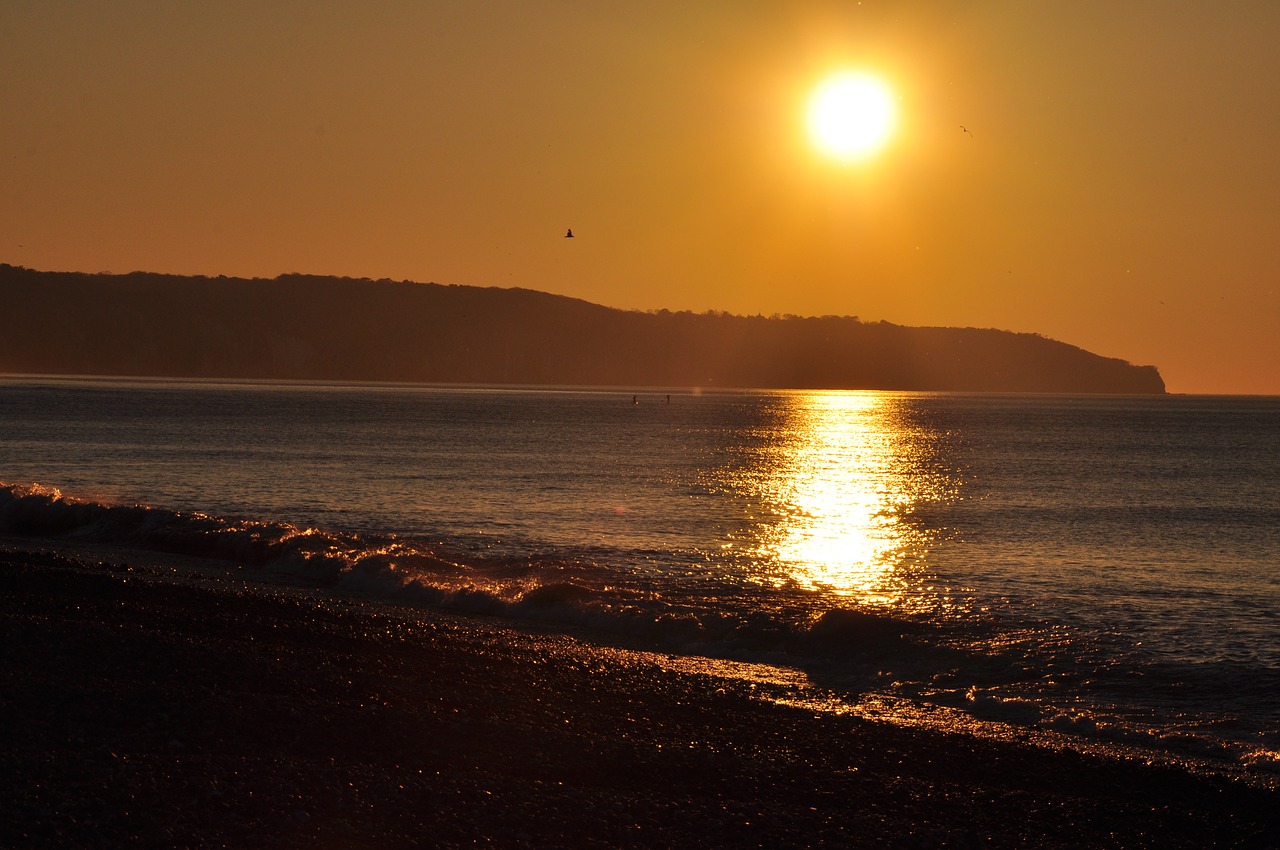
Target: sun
{"x": 851, "y": 115}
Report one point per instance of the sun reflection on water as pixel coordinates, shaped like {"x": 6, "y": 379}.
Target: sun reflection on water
{"x": 844, "y": 475}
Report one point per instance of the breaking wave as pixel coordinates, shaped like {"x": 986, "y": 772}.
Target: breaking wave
{"x": 565, "y": 591}
{"x": 962, "y": 663}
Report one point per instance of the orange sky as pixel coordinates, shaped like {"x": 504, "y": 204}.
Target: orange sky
{"x": 1119, "y": 188}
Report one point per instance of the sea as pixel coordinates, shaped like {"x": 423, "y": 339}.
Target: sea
{"x": 1084, "y": 571}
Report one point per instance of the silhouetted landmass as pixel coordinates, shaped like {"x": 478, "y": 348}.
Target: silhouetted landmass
{"x": 325, "y": 328}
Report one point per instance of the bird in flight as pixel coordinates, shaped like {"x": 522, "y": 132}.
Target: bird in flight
{"x": 966, "y": 129}
{"x": 569, "y": 235}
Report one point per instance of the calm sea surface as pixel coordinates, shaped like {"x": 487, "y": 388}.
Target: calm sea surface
{"x": 1103, "y": 567}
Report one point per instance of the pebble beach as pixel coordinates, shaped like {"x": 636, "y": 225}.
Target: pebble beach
{"x": 150, "y": 701}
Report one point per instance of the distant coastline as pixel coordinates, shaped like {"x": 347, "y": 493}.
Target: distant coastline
{"x": 302, "y": 327}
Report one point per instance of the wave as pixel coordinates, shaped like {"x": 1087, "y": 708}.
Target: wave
{"x": 544, "y": 588}
{"x": 324, "y": 559}
{"x": 841, "y": 649}
{"x": 845, "y": 648}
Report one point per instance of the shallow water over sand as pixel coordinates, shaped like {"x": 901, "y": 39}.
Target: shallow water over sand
{"x": 1102, "y": 566}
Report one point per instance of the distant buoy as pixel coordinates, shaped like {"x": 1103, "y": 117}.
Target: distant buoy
{"x": 569, "y": 235}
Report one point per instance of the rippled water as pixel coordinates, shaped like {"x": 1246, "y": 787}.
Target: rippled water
{"x": 1104, "y": 566}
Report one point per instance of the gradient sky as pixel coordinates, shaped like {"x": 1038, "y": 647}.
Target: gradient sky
{"x": 1119, "y": 187}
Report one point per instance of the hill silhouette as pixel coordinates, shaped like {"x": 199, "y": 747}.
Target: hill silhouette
{"x": 305, "y": 327}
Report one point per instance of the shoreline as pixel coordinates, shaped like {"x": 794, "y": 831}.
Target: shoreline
{"x": 149, "y": 703}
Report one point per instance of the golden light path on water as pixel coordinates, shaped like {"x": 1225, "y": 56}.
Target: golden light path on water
{"x": 844, "y": 474}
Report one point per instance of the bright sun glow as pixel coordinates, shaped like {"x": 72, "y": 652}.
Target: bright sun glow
{"x": 851, "y": 116}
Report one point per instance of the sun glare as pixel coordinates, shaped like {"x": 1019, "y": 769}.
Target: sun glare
{"x": 837, "y": 487}
{"x": 851, "y": 116}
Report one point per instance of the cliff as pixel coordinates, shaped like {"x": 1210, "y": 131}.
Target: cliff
{"x": 325, "y": 328}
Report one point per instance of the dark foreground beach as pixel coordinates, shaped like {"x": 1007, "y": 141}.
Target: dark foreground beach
{"x": 147, "y": 705}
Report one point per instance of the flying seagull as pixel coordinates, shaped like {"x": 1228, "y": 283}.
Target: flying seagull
{"x": 569, "y": 235}
{"x": 966, "y": 129}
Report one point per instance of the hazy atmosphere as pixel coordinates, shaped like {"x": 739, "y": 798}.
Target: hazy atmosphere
{"x": 1101, "y": 174}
